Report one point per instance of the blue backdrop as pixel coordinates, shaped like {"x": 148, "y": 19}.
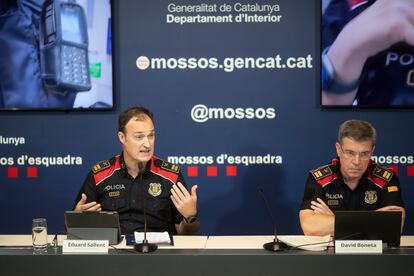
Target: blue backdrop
{"x": 247, "y": 113}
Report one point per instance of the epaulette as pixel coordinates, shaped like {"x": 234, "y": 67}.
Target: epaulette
{"x": 101, "y": 166}
{"x": 165, "y": 169}
{"x": 383, "y": 173}
{"x": 170, "y": 166}
{"x": 322, "y": 172}
{"x": 106, "y": 169}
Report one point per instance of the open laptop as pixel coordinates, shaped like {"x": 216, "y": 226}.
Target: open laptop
{"x": 368, "y": 225}
{"x": 93, "y": 226}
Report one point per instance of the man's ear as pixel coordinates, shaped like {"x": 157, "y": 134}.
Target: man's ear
{"x": 338, "y": 149}
{"x": 121, "y": 137}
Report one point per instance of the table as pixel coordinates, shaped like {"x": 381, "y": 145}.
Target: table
{"x": 200, "y": 260}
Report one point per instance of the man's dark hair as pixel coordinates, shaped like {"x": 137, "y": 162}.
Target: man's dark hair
{"x": 138, "y": 112}
{"x": 357, "y": 130}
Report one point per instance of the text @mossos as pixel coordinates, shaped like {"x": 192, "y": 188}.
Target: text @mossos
{"x": 201, "y": 113}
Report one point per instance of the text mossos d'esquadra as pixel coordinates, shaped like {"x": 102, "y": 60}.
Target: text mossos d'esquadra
{"x": 223, "y": 13}
{"x": 46, "y": 161}
{"x": 224, "y": 158}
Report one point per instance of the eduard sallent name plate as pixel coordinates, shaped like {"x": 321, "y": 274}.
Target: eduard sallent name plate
{"x": 85, "y": 246}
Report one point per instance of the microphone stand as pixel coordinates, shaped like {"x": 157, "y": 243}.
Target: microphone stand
{"x": 276, "y": 244}
{"x": 145, "y": 246}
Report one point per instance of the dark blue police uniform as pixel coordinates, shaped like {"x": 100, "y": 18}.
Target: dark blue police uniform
{"x": 388, "y": 76}
{"x": 378, "y": 187}
{"x": 110, "y": 184}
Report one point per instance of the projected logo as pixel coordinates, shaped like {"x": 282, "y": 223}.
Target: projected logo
{"x": 142, "y": 63}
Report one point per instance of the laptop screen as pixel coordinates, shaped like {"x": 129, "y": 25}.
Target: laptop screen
{"x": 93, "y": 226}
{"x": 368, "y": 225}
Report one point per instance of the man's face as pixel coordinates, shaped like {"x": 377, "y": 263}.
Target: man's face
{"x": 138, "y": 139}
{"x": 355, "y": 157}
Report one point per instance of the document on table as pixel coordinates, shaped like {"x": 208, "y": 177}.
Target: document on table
{"x": 154, "y": 237}
{"x": 311, "y": 243}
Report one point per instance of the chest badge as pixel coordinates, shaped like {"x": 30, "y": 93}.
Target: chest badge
{"x": 371, "y": 197}
{"x": 114, "y": 194}
{"x": 333, "y": 202}
{"x": 154, "y": 189}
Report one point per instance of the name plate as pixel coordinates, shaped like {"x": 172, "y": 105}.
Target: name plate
{"x": 85, "y": 246}
{"x": 358, "y": 246}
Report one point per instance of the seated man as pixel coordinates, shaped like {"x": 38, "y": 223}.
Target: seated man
{"x": 351, "y": 182}
{"x": 136, "y": 181}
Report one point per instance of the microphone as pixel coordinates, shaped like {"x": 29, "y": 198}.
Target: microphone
{"x": 276, "y": 244}
{"x": 145, "y": 246}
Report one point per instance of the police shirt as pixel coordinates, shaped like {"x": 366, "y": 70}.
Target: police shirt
{"x": 389, "y": 75}
{"x": 110, "y": 184}
{"x": 377, "y": 188}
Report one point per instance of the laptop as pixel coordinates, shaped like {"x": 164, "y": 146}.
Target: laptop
{"x": 93, "y": 226}
{"x": 368, "y": 225}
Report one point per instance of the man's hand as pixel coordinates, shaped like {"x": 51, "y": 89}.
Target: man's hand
{"x": 320, "y": 207}
{"x": 91, "y": 206}
{"x": 391, "y": 208}
{"x": 318, "y": 220}
{"x": 185, "y": 202}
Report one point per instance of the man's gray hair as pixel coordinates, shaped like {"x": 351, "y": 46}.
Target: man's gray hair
{"x": 357, "y": 130}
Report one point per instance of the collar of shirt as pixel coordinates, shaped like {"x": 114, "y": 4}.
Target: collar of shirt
{"x": 145, "y": 172}
{"x": 337, "y": 170}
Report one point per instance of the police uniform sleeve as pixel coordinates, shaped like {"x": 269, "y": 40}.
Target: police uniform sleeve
{"x": 88, "y": 188}
{"x": 335, "y": 17}
{"x": 312, "y": 191}
{"x": 391, "y": 194}
{"x": 176, "y": 216}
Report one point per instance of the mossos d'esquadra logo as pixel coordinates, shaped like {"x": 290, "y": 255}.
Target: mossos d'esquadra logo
{"x": 154, "y": 189}
{"x": 371, "y": 197}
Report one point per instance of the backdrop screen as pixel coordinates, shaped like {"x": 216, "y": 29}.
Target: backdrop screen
{"x": 378, "y": 73}
{"x": 56, "y": 55}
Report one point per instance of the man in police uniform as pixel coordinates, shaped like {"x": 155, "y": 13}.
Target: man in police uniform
{"x": 137, "y": 181}
{"x": 368, "y": 54}
{"x": 351, "y": 182}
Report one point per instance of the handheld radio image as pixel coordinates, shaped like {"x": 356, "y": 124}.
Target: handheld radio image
{"x": 64, "y": 47}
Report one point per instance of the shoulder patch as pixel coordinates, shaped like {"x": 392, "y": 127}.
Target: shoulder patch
{"x": 165, "y": 169}
{"x": 321, "y": 172}
{"x": 170, "y": 167}
{"x": 392, "y": 189}
{"x": 101, "y": 166}
{"x": 383, "y": 173}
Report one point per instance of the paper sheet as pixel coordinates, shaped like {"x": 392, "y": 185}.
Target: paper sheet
{"x": 153, "y": 237}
